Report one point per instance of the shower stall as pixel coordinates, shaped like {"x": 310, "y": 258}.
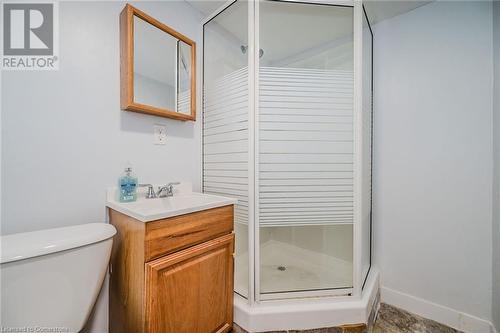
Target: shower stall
{"x": 287, "y": 130}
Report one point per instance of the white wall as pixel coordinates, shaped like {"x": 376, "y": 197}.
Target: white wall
{"x": 433, "y": 144}
{"x": 64, "y": 137}
{"x": 496, "y": 163}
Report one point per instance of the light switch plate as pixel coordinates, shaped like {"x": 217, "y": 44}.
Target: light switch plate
{"x": 160, "y": 134}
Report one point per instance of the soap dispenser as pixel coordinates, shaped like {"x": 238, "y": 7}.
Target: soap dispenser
{"x": 127, "y": 186}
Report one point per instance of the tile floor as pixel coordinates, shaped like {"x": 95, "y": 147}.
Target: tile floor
{"x": 394, "y": 320}
{"x": 389, "y": 320}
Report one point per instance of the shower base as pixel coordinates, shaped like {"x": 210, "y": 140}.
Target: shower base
{"x": 289, "y": 268}
{"x": 301, "y": 313}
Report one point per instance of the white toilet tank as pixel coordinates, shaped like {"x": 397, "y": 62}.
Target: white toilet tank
{"x": 50, "y": 279}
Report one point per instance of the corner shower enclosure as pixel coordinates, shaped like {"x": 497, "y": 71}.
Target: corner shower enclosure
{"x": 287, "y": 130}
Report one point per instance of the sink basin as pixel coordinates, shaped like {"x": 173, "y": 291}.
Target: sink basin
{"x": 147, "y": 210}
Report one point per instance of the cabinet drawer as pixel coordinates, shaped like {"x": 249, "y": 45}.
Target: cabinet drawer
{"x": 172, "y": 234}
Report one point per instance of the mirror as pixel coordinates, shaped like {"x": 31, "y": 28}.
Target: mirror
{"x": 157, "y": 67}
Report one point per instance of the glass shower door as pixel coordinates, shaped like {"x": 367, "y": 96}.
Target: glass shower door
{"x": 305, "y": 147}
{"x": 225, "y": 123}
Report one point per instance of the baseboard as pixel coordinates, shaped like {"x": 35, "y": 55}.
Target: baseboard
{"x": 442, "y": 314}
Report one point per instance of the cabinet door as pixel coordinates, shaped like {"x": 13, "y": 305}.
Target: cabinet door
{"x": 191, "y": 291}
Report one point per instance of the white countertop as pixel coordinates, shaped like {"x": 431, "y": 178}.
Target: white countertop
{"x": 183, "y": 202}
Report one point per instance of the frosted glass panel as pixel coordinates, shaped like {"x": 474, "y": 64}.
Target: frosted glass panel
{"x": 305, "y": 147}
{"x": 225, "y": 122}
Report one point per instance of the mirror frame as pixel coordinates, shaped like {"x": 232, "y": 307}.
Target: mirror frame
{"x": 127, "y": 65}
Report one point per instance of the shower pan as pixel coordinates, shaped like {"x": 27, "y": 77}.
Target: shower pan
{"x": 287, "y": 130}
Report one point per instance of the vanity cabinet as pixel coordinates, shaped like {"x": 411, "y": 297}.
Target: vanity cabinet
{"x": 173, "y": 275}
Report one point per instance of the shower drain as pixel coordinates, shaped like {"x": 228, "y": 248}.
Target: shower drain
{"x": 281, "y": 268}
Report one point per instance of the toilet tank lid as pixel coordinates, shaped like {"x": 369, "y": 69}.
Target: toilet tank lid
{"x": 26, "y": 245}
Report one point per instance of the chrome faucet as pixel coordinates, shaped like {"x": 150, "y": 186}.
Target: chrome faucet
{"x": 167, "y": 190}
{"x": 151, "y": 191}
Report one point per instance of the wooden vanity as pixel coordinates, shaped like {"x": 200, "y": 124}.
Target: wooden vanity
{"x": 172, "y": 275}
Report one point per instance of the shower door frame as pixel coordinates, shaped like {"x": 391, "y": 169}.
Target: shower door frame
{"x": 254, "y": 296}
